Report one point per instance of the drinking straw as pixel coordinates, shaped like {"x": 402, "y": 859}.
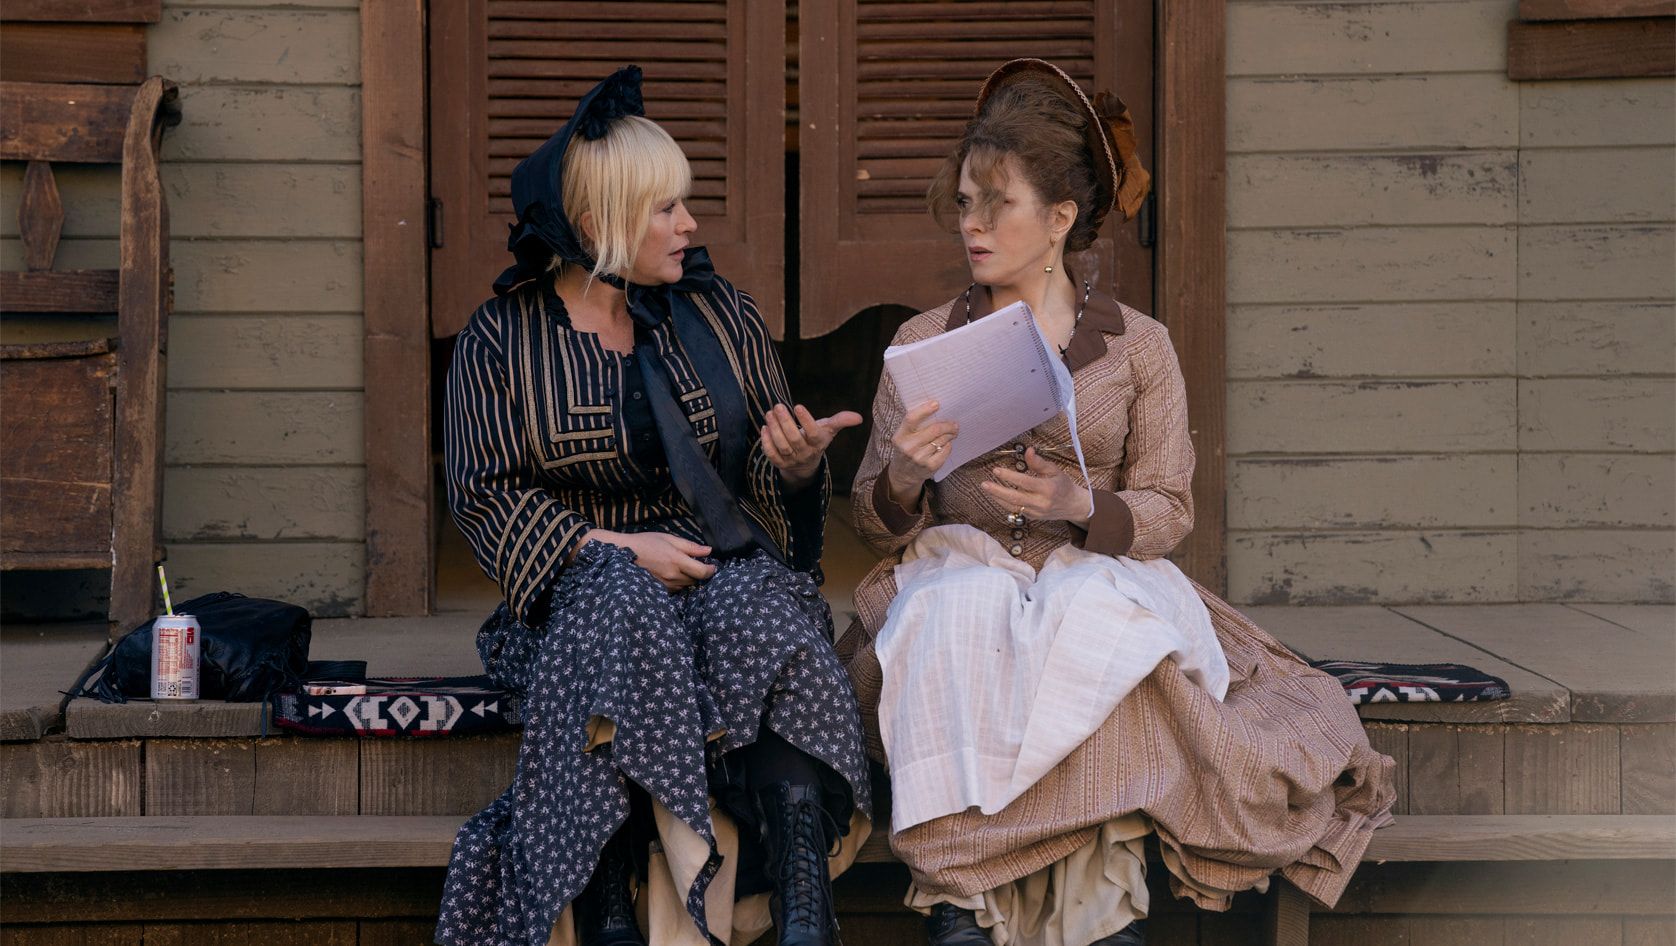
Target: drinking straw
{"x": 163, "y": 580}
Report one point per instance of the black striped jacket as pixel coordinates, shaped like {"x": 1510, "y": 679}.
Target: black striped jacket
{"x": 537, "y": 440}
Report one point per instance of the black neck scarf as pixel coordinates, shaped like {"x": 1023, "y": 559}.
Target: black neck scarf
{"x": 543, "y": 232}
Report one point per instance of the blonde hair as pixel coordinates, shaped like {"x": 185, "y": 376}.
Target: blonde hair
{"x": 622, "y": 178}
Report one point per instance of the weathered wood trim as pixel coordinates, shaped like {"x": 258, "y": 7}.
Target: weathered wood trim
{"x": 1192, "y": 267}
{"x": 82, "y": 11}
{"x": 1592, "y": 49}
{"x": 396, "y": 292}
{"x": 1593, "y": 9}
{"x": 74, "y": 52}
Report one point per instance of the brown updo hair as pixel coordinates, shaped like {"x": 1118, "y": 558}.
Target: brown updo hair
{"x": 1047, "y": 135}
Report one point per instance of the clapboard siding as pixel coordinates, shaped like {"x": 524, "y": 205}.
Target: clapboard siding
{"x": 265, "y": 489}
{"x": 1452, "y": 314}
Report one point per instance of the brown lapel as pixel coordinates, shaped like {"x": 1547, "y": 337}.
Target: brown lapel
{"x": 1088, "y": 343}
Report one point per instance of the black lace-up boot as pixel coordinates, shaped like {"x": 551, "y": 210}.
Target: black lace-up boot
{"x": 951, "y": 926}
{"x": 1132, "y": 935}
{"x": 605, "y": 910}
{"x": 798, "y": 833}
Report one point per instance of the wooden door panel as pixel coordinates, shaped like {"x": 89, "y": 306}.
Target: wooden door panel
{"x": 887, "y": 88}
{"x": 505, "y": 74}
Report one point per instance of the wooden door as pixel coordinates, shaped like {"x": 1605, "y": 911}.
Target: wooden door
{"x": 505, "y": 74}
{"x": 886, "y": 88}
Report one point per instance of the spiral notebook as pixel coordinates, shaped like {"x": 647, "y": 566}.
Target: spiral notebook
{"x": 996, "y": 377}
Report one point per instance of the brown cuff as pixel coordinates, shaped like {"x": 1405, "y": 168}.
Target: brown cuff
{"x": 898, "y": 520}
{"x": 1111, "y": 530}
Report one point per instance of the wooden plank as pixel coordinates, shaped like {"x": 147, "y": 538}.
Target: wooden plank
{"x": 1286, "y": 917}
{"x": 1374, "y": 633}
{"x": 395, "y": 777}
{"x": 58, "y": 122}
{"x": 267, "y": 124}
{"x": 1648, "y": 779}
{"x": 1588, "y": 414}
{"x": 1593, "y": 9}
{"x": 1595, "y": 114}
{"x": 294, "y": 933}
{"x": 74, "y": 52}
{"x": 266, "y": 352}
{"x": 199, "y": 777}
{"x": 218, "y": 894}
{"x": 1565, "y": 646}
{"x": 56, "y": 472}
{"x": 1514, "y": 837}
{"x": 1324, "y": 492}
{"x": 144, "y": 310}
{"x": 1594, "y": 565}
{"x": 70, "y": 780}
{"x": 307, "y": 776}
{"x": 1596, "y": 338}
{"x": 1457, "y": 931}
{"x": 1597, "y": 185}
{"x": 325, "y": 577}
{"x": 265, "y": 427}
{"x": 1310, "y": 39}
{"x": 1431, "y": 112}
{"x": 91, "y": 719}
{"x": 1455, "y": 770}
{"x": 1373, "y": 264}
{"x": 115, "y": 934}
{"x": 1321, "y": 568}
{"x": 1592, "y": 49}
{"x": 1622, "y": 262}
{"x": 1566, "y": 930}
{"x": 257, "y": 47}
{"x": 1641, "y": 931}
{"x": 176, "y": 843}
{"x": 88, "y": 290}
{"x": 1341, "y": 190}
{"x": 1375, "y": 340}
{"x": 263, "y": 503}
{"x": 1562, "y": 770}
{"x": 83, "y": 11}
{"x": 396, "y": 932}
{"x": 1358, "y": 931}
{"x": 229, "y": 276}
{"x": 1656, "y": 621}
{"x": 1194, "y": 283}
{"x": 1376, "y": 417}
{"x": 1392, "y": 739}
{"x": 1521, "y": 888}
{"x": 1568, "y": 490}
{"x": 398, "y": 335}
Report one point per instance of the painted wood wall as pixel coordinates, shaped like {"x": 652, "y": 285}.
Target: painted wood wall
{"x": 264, "y": 486}
{"x": 1452, "y": 336}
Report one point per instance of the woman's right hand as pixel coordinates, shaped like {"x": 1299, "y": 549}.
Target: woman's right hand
{"x": 670, "y": 559}
{"x": 922, "y": 447}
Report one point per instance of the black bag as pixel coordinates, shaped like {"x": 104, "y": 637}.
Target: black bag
{"x": 251, "y": 648}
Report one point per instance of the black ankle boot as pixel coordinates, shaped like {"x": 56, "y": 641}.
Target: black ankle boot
{"x": 605, "y": 910}
{"x": 1132, "y": 935}
{"x": 951, "y": 926}
{"x": 798, "y": 833}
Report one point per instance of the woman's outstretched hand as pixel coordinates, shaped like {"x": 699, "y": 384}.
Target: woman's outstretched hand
{"x": 921, "y": 450}
{"x": 1044, "y": 493}
{"x": 795, "y": 441}
{"x": 670, "y": 559}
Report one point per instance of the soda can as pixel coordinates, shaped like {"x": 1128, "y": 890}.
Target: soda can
{"x": 175, "y": 643}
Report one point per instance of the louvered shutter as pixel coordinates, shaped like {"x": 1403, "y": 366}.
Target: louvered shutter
{"x": 506, "y": 73}
{"x": 886, "y": 88}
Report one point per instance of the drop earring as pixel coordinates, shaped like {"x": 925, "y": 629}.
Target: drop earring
{"x": 1052, "y": 242}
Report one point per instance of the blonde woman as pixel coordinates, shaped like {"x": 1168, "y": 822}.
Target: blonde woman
{"x": 625, "y": 460}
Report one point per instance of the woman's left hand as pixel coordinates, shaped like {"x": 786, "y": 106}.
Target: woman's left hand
{"x": 795, "y": 441}
{"x": 1045, "y": 493}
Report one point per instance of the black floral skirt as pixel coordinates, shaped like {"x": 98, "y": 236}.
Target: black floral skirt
{"x": 747, "y": 648}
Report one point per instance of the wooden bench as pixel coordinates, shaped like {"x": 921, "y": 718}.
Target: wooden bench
{"x": 75, "y": 845}
{"x": 81, "y": 475}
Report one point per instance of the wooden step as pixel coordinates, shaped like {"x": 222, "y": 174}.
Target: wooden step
{"x": 36, "y": 845}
